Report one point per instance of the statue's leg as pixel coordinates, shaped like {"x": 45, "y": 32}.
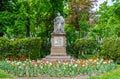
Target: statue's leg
{"x": 62, "y": 29}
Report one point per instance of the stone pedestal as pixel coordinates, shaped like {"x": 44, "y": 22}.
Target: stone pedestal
{"x": 58, "y": 48}
{"x": 58, "y": 44}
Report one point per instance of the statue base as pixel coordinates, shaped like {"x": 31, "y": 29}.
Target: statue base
{"x": 58, "y": 48}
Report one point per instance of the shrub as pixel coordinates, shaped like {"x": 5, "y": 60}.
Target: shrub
{"x": 110, "y": 49}
{"x": 17, "y": 48}
{"x": 4, "y": 46}
{"x": 71, "y": 36}
{"x": 45, "y": 47}
{"x": 85, "y": 46}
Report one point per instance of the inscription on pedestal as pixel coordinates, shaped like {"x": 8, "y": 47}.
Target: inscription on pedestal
{"x": 58, "y": 41}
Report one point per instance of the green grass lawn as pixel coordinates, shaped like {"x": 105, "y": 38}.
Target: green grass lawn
{"x": 4, "y": 75}
{"x": 110, "y": 75}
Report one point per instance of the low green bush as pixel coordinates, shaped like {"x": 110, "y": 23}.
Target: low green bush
{"x": 45, "y": 47}
{"x": 85, "y": 46}
{"x": 110, "y": 49}
{"x": 17, "y": 48}
{"x": 82, "y": 48}
{"x": 4, "y": 46}
{"x": 71, "y": 36}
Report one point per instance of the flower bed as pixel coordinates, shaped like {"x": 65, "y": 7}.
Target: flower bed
{"x": 36, "y": 68}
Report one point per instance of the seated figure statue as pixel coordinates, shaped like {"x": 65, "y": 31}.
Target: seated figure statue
{"x": 59, "y": 24}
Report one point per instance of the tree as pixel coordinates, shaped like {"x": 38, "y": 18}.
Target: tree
{"x": 78, "y": 15}
{"x": 29, "y": 17}
{"x": 5, "y": 9}
{"x": 108, "y": 21}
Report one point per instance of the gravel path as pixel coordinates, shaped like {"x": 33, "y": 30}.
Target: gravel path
{"x": 47, "y": 77}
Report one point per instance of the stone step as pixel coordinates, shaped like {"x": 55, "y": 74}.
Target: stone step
{"x": 59, "y": 54}
{"x": 57, "y": 57}
{"x": 62, "y": 60}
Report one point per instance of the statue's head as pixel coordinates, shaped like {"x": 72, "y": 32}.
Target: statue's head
{"x": 58, "y": 13}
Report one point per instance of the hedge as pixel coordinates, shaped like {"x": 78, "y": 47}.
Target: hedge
{"x": 17, "y": 48}
{"x": 36, "y": 48}
{"x": 85, "y": 46}
{"x": 110, "y": 49}
{"x": 4, "y": 46}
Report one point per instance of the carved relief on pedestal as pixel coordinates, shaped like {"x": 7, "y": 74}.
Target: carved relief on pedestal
{"x": 58, "y": 41}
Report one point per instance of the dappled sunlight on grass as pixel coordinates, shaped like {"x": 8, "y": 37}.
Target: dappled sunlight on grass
{"x": 115, "y": 74}
{"x": 4, "y": 75}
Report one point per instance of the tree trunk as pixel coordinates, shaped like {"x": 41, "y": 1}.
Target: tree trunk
{"x": 78, "y": 27}
{"x": 1, "y": 5}
{"x": 28, "y": 28}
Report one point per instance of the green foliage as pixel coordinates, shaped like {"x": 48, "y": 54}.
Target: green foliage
{"x": 71, "y": 36}
{"x": 108, "y": 24}
{"x": 78, "y": 16}
{"x": 4, "y": 46}
{"x": 110, "y": 49}
{"x": 25, "y": 47}
{"x": 84, "y": 26}
{"x": 85, "y": 46}
{"x": 45, "y": 47}
{"x": 6, "y": 19}
{"x": 57, "y": 6}
{"x": 20, "y": 18}
{"x": 4, "y": 75}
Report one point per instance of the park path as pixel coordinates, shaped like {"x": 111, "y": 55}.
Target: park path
{"x": 77, "y": 77}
